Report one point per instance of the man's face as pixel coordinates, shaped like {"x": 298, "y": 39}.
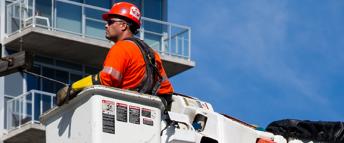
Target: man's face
{"x": 114, "y": 27}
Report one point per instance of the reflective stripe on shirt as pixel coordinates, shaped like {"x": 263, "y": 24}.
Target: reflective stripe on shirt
{"x": 113, "y": 72}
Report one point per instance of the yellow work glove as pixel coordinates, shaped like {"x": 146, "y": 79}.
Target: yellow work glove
{"x": 68, "y": 92}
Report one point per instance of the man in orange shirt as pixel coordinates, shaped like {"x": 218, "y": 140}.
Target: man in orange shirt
{"x": 130, "y": 64}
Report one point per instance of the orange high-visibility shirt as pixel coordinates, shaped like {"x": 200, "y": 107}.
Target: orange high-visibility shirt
{"x": 124, "y": 67}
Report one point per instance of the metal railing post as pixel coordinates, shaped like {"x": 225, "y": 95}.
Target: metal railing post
{"x": 169, "y": 38}
{"x": 55, "y": 16}
{"x": 183, "y": 47}
{"x": 41, "y": 104}
{"x": 20, "y": 113}
{"x": 52, "y": 13}
{"x": 32, "y": 107}
{"x": 20, "y": 15}
{"x": 162, "y": 44}
{"x": 189, "y": 45}
{"x": 9, "y": 108}
{"x": 52, "y": 101}
{"x": 8, "y": 23}
{"x": 142, "y": 33}
{"x": 83, "y": 21}
{"x": 15, "y": 110}
{"x": 34, "y": 13}
{"x": 176, "y": 45}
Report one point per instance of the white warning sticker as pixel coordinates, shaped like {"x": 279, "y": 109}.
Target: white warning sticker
{"x": 108, "y": 107}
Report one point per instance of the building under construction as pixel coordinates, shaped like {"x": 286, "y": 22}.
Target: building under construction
{"x": 66, "y": 39}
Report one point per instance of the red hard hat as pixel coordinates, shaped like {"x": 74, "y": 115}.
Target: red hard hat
{"x": 125, "y": 9}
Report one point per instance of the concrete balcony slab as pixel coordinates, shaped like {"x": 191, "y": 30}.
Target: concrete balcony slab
{"x": 27, "y": 133}
{"x": 78, "y": 49}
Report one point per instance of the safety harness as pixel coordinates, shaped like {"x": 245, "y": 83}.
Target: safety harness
{"x": 152, "y": 79}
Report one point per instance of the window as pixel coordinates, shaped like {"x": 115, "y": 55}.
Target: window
{"x": 138, "y": 3}
{"x": 43, "y": 8}
{"x": 63, "y": 71}
{"x": 68, "y": 17}
{"x": 14, "y": 84}
{"x": 99, "y": 3}
{"x": 33, "y": 82}
{"x": 153, "y": 9}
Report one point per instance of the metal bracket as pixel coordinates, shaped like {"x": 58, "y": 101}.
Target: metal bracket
{"x": 15, "y": 62}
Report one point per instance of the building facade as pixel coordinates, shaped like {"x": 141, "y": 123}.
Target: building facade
{"x": 67, "y": 40}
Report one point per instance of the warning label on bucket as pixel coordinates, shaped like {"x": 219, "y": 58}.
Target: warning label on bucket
{"x": 122, "y": 112}
{"x": 108, "y": 107}
{"x": 146, "y": 112}
{"x": 108, "y": 123}
{"x": 134, "y": 114}
{"x": 108, "y": 116}
{"x": 148, "y": 122}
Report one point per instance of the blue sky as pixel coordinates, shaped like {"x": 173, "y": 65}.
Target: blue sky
{"x": 265, "y": 60}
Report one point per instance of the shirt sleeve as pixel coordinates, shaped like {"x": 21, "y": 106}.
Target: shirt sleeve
{"x": 114, "y": 65}
{"x": 166, "y": 86}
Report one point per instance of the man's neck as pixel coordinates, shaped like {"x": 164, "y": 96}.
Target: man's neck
{"x": 125, "y": 35}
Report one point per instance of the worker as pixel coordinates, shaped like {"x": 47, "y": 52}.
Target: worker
{"x": 130, "y": 63}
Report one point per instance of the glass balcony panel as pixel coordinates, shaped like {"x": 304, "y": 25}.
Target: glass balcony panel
{"x": 54, "y": 101}
{"x": 94, "y": 14}
{"x": 154, "y": 41}
{"x": 9, "y": 114}
{"x": 37, "y": 105}
{"x": 68, "y": 17}
{"x": 46, "y": 103}
{"x": 95, "y": 29}
{"x": 27, "y": 107}
{"x": 13, "y": 17}
{"x": 94, "y": 23}
{"x": 179, "y": 40}
{"x": 24, "y": 111}
{"x": 7, "y": 110}
{"x": 155, "y": 35}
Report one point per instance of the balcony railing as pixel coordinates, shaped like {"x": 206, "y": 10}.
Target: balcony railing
{"x": 27, "y": 108}
{"x": 85, "y": 21}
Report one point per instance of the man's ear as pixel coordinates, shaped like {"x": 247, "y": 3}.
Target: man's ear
{"x": 124, "y": 26}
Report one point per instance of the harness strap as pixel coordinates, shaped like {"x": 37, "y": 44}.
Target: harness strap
{"x": 152, "y": 80}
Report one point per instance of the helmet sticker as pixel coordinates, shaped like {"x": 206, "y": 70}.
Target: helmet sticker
{"x": 135, "y": 12}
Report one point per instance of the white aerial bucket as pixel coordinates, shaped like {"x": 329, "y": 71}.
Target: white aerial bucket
{"x": 105, "y": 115}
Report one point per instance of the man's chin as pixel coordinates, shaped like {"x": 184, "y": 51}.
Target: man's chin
{"x": 114, "y": 39}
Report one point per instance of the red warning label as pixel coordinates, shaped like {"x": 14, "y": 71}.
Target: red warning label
{"x": 148, "y": 122}
{"x": 122, "y": 112}
{"x": 134, "y": 114}
{"x": 146, "y": 112}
